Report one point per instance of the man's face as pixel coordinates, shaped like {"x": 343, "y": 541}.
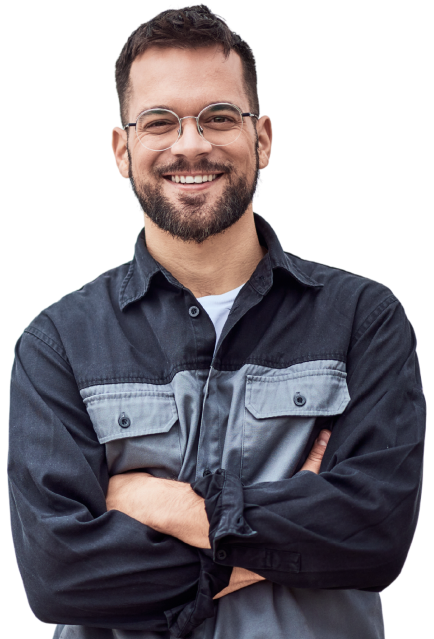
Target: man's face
{"x": 186, "y": 81}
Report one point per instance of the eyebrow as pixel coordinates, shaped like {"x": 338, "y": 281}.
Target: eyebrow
{"x": 148, "y": 108}
{"x": 168, "y": 108}
{"x": 155, "y": 106}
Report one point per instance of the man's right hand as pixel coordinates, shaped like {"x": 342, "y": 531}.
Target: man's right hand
{"x": 241, "y": 577}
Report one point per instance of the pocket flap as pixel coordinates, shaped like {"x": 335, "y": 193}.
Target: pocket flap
{"x": 322, "y": 392}
{"x": 118, "y": 415}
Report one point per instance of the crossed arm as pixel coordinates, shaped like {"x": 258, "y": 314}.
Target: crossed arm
{"x": 173, "y": 508}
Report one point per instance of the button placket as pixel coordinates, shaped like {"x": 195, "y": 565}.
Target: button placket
{"x": 193, "y": 311}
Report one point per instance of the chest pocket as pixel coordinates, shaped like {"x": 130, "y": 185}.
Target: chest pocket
{"x": 280, "y": 414}
{"x": 140, "y": 430}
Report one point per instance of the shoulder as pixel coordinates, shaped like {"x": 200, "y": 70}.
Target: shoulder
{"x": 335, "y": 281}
{"x": 92, "y": 304}
{"x": 347, "y": 295}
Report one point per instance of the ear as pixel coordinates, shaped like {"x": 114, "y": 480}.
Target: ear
{"x": 119, "y": 145}
{"x": 265, "y": 135}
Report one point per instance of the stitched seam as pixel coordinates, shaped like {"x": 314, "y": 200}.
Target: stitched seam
{"x": 48, "y": 342}
{"x": 373, "y": 316}
{"x": 310, "y": 373}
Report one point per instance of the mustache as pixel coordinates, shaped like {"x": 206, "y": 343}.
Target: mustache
{"x": 181, "y": 165}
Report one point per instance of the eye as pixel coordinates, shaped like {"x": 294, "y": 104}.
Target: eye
{"x": 150, "y": 123}
{"x": 221, "y": 119}
{"x": 158, "y": 124}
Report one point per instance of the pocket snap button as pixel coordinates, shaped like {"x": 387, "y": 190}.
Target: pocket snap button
{"x": 124, "y": 421}
{"x": 299, "y": 399}
{"x": 193, "y": 311}
{"x": 221, "y": 555}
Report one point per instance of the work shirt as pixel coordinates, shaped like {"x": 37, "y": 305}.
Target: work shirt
{"x": 124, "y": 375}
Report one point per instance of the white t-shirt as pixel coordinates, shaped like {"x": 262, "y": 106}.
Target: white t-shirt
{"x": 218, "y": 308}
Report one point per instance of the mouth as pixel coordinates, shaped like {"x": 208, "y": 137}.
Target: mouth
{"x": 192, "y": 181}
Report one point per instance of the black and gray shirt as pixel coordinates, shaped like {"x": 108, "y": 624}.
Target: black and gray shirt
{"x": 122, "y": 375}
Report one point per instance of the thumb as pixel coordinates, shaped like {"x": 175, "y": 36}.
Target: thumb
{"x": 313, "y": 462}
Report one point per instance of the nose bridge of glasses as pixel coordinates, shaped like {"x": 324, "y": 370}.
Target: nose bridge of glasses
{"x": 190, "y": 117}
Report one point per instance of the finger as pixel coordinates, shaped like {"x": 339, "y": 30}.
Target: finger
{"x": 313, "y": 462}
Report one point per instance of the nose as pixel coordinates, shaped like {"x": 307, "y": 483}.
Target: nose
{"x": 191, "y": 144}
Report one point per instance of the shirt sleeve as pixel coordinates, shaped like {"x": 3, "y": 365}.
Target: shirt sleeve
{"x": 350, "y": 526}
{"x": 80, "y": 564}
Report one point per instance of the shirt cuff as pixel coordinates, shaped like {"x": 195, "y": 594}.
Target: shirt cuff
{"x": 213, "y": 579}
{"x": 224, "y": 504}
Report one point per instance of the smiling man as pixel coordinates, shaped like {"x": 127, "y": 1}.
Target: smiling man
{"x": 218, "y": 440}
{"x": 194, "y": 176}
{"x": 199, "y": 201}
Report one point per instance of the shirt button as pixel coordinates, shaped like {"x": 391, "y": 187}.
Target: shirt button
{"x": 124, "y": 421}
{"x": 193, "y": 311}
{"x": 221, "y": 555}
{"x": 299, "y": 399}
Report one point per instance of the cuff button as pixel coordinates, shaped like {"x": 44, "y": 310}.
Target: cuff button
{"x": 221, "y": 555}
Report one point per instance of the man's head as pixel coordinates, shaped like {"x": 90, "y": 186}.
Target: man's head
{"x": 185, "y": 60}
{"x": 189, "y": 28}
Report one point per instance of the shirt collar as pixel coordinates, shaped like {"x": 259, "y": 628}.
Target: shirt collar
{"x": 144, "y": 267}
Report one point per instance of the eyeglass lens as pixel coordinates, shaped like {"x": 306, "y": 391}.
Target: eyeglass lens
{"x": 158, "y": 129}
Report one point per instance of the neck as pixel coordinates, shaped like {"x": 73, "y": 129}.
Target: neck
{"x": 221, "y": 263}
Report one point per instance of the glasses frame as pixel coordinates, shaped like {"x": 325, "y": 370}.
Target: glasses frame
{"x": 192, "y": 117}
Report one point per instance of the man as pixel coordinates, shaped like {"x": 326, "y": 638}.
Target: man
{"x": 162, "y": 415}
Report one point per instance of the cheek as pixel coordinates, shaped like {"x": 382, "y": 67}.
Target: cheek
{"x": 141, "y": 164}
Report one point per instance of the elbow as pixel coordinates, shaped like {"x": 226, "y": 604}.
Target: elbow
{"x": 45, "y": 607}
{"x": 384, "y": 564}
{"x": 50, "y": 600}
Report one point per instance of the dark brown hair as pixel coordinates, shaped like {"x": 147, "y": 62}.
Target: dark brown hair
{"x": 190, "y": 27}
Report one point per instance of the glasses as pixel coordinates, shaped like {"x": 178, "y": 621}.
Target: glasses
{"x": 219, "y": 124}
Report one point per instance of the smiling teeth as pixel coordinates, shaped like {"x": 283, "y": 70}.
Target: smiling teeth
{"x": 189, "y": 179}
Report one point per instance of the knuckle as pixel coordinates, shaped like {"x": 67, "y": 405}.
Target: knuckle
{"x": 315, "y": 457}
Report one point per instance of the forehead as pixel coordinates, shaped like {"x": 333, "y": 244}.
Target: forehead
{"x": 185, "y": 80}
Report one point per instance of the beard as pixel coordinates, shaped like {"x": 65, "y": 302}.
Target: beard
{"x": 192, "y": 219}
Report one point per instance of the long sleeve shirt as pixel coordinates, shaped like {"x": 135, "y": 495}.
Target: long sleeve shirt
{"x": 125, "y": 374}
